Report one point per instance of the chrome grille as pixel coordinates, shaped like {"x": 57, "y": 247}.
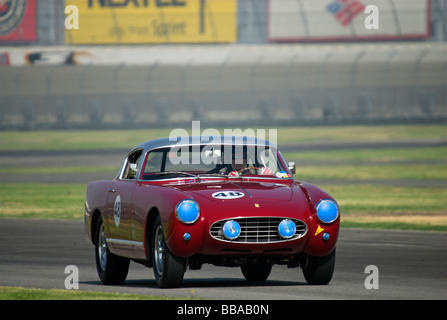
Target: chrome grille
{"x": 258, "y": 230}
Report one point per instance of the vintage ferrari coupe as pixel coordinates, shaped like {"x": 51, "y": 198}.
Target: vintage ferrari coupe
{"x": 228, "y": 201}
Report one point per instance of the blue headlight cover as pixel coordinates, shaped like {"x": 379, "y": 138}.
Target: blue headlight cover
{"x": 231, "y": 230}
{"x": 287, "y": 228}
{"x": 187, "y": 211}
{"x": 327, "y": 210}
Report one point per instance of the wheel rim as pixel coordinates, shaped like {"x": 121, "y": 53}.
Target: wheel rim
{"x": 102, "y": 248}
{"x": 159, "y": 250}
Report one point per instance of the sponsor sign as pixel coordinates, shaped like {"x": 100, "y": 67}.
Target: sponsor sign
{"x": 333, "y": 20}
{"x": 17, "y": 20}
{"x": 153, "y": 21}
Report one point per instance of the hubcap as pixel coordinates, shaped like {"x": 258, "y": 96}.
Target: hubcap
{"x": 102, "y": 248}
{"x": 159, "y": 249}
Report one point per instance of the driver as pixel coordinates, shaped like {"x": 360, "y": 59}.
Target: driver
{"x": 239, "y": 163}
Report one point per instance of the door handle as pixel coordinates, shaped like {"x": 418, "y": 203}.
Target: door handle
{"x": 111, "y": 190}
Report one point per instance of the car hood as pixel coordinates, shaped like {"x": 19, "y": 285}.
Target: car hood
{"x": 234, "y": 191}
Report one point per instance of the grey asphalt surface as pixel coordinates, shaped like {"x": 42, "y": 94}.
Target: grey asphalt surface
{"x": 411, "y": 264}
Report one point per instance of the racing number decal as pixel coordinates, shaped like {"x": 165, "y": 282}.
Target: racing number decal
{"x": 224, "y": 195}
{"x": 117, "y": 210}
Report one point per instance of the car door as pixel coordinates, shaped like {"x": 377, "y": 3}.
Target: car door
{"x": 119, "y": 204}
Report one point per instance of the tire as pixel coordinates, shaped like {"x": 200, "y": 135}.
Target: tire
{"x": 259, "y": 271}
{"x": 112, "y": 269}
{"x": 169, "y": 269}
{"x": 319, "y": 270}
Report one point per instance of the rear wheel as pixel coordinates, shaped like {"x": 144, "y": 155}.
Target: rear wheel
{"x": 169, "y": 269}
{"x": 319, "y": 270}
{"x": 112, "y": 270}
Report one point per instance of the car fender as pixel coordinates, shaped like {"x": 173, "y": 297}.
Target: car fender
{"x": 95, "y": 200}
{"x": 163, "y": 200}
{"x": 318, "y": 244}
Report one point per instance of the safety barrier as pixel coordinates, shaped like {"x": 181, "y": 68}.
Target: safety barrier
{"x": 225, "y": 85}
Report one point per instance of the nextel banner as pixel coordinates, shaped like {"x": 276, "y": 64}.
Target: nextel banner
{"x": 153, "y": 21}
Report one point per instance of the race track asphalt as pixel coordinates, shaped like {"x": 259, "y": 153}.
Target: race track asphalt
{"x": 35, "y": 253}
{"x": 410, "y": 264}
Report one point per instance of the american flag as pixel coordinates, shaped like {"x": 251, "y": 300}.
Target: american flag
{"x": 345, "y": 10}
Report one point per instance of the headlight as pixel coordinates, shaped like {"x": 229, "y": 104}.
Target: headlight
{"x": 187, "y": 211}
{"x": 327, "y": 210}
{"x": 287, "y": 229}
{"x": 231, "y": 230}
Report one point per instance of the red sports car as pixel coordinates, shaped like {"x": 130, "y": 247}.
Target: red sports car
{"x": 229, "y": 202}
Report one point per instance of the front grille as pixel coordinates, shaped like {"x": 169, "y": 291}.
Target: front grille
{"x": 258, "y": 230}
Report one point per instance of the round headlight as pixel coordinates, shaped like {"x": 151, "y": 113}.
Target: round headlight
{"x": 231, "y": 230}
{"x": 327, "y": 210}
{"x": 287, "y": 229}
{"x": 187, "y": 211}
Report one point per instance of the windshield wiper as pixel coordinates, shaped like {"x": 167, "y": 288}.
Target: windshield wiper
{"x": 213, "y": 175}
{"x": 178, "y": 172}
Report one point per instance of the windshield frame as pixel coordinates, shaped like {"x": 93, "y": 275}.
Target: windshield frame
{"x": 164, "y": 174}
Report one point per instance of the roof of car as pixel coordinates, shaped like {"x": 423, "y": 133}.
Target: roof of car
{"x": 202, "y": 140}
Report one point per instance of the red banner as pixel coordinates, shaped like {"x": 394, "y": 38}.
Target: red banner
{"x": 18, "y": 20}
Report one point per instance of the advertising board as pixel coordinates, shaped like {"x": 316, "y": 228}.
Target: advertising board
{"x": 18, "y": 21}
{"x": 153, "y": 21}
{"x": 339, "y": 20}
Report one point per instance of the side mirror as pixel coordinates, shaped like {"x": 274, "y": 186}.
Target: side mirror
{"x": 133, "y": 170}
{"x": 292, "y": 167}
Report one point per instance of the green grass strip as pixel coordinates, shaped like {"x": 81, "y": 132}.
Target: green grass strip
{"x": 106, "y": 139}
{"x": 19, "y": 293}
{"x": 373, "y": 172}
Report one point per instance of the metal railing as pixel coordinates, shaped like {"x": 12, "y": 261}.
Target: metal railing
{"x": 270, "y": 84}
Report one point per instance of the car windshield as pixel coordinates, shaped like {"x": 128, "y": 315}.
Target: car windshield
{"x": 227, "y": 160}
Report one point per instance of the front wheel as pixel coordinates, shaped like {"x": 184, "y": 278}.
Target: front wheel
{"x": 112, "y": 270}
{"x": 258, "y": 271}
{"x": 169, "y": 269}
{"x": 319, "y": 270}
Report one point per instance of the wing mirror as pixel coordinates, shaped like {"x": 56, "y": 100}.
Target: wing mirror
{"x": 292, "y": 167}
{"x": 133, "y": 170}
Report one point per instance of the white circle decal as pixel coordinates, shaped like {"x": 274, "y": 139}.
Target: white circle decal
{"x": 11, "y": 15}
{"x": 224, "y": 195}
{"x": 117, "y": 210}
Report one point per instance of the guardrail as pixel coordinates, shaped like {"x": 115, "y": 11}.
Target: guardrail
{"x": 231, "y": 85}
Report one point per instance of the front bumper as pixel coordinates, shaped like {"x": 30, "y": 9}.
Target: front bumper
{"x": 202, "y": 240}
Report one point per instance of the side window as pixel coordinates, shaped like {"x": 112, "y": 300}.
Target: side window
{"x": 154, "y": 162}
{"x": 131, "y": 169}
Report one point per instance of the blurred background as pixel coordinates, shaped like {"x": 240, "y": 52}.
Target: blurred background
{"x": 163, "y": 63}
